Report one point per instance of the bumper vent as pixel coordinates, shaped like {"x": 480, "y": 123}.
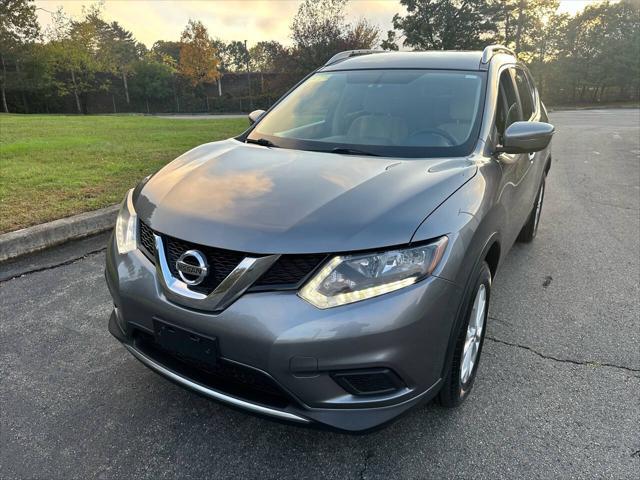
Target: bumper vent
{"x": 288, "y": 273}
{"x": 377, "y": 381}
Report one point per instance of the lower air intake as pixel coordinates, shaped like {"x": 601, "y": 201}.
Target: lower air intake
{"x": 377, "y": 381}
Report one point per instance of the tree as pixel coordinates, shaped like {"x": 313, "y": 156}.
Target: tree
{"x": 152, "y": 80}
{"x": 223, "y": 58}
{"x": 70, "y": 50}
{"x": 121, "y": 50}
{"x": 603, "y": 48}
{"x": 319, "y": 30}
{"x": 18, "y": 28}
{"x": 363, "y": 35}
{"x": 163, "y": 48}
{"x": 266, "y": 56}
{"x": 198, "y": 59}
{"x": 621, "y": 49}
{"x": 237, "y": 56}
{"x": 444, "y": 24}
{"x": 272, "y": 57}
{"x": 589, "y": 57}
{"x": 168, "y": 53}
{"x": 545, "y": 53}
{"x": 521, "y": 22}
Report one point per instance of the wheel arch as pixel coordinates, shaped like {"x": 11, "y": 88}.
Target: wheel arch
{"x": 547, "y": 165}
{"x": 490, "y": 253}
{"x": 492, "y": 257}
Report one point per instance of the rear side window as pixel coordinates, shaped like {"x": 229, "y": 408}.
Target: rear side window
{"x": 526, "y": 95}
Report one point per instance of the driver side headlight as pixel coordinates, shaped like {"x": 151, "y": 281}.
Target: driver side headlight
{"x": 127, "y": 226}
{"x": 348, "y": 279}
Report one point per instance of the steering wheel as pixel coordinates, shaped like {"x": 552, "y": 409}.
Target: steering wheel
{"x": 435, "y": 131}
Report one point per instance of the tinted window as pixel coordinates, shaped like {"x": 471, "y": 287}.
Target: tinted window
{"x": 391, "y": 112}
{"x": 526, "y": 96}
{"x": 508, "y": 110}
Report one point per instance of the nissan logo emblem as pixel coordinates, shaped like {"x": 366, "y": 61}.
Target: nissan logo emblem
{"x": 192, "y": 267}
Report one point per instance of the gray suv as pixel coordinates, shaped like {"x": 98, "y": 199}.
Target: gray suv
{"x": 333, "y": 263}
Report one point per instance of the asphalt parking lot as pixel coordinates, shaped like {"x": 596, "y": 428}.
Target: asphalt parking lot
{"x": 557, "y": 394}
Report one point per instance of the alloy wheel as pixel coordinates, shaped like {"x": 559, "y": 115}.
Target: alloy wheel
{"x": 474, "y": 335}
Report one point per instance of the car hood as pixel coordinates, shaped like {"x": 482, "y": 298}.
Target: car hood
{"x": 256, "y": 199}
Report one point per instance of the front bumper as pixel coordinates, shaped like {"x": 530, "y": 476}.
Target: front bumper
{"x": 297, "y": 346}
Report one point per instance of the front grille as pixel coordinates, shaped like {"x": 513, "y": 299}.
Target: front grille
{"x": 290, "y": 269}
{"x": 225, "y": 376}
{"x": 221, "y": 262}
{"x": 289, "y": 272}
{"x": 147, "y": 242}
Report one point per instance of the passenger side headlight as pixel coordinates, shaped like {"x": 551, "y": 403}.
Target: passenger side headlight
{"x": 127, "y": 226}
{"x": 348, "y": 279}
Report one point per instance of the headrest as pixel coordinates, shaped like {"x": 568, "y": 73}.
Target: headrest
{"x": 386, "y": 99}
{"x": 461, "y": 108}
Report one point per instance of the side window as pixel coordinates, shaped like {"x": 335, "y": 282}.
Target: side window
{"x": 526, "y": 95}
{"x": 508, "y": 110}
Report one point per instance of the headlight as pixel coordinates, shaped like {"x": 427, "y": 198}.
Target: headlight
{"x": 127, "y": 226}
{"x": 348, "y": 279}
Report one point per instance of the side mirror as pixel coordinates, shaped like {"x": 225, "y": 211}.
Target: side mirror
{"x": 255, "y": 116}
{"x": 526, "y": 137}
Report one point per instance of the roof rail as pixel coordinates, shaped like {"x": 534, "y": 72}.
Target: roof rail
{"x": 491, "y": 50}
{"x": 349, "y": 53}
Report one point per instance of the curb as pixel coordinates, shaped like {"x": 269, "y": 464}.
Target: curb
{"x": 568, "y": 108}
{"x": 38, "y": 237}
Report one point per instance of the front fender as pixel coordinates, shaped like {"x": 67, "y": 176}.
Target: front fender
{"x": 470, "y": 217}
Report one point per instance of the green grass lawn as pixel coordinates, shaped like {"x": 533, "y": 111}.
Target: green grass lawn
{"x": 53, "y": 166}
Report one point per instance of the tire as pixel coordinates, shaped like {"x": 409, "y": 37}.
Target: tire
{"x": 530, "y": 229}
{"x": 459, "y": 381}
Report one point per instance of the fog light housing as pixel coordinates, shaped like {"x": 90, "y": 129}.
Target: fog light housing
{"x": 376, "y": 381}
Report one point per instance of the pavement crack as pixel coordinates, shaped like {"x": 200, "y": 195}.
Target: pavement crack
{"x": 613, "y": 205}
{"x": 367, "y": 458}
{"x": 51, "y": 267}
{"x": 563, "y": 360}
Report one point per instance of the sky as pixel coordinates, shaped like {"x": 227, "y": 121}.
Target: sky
{"x": 250, "y": 20}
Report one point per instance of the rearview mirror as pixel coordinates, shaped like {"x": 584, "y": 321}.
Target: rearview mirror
{"x": 255, "y": 116}
{"x": 526, "y": 137}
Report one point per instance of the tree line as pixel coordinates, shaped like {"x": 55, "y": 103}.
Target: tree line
{"x": 89, "y": 65}
{"x": 586, "y": 58}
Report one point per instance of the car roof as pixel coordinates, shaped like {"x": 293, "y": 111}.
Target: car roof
{"x": 442, "y": 60}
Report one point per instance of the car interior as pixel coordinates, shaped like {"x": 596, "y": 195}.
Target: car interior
{"x": 384, "y": 107}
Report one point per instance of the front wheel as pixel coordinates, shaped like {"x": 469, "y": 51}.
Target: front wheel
{"x": 466, "y": 357}
{"x": 530, "y": 229}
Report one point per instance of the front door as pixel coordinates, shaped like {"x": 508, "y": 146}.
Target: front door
{"x": 515, "y": 167}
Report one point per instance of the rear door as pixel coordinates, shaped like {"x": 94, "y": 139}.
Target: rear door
{"x": 528, "y": 102}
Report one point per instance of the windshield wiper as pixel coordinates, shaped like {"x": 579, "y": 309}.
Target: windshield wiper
{"x": 261, "y": 141}
{"x": 352, "y": 151}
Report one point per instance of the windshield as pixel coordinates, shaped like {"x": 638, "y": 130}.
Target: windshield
{"x": 404, "y": 113}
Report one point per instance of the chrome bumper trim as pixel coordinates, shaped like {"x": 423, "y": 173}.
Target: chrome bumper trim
{"x": 213, "y": 393}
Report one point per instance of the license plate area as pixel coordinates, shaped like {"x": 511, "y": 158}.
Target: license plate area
{"x": 185, "y": 344}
